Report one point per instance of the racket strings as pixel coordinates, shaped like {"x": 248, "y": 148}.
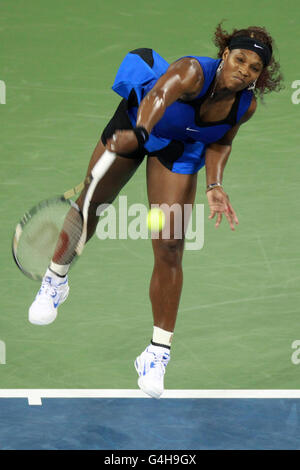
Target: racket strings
{"x": 69, "y": 237}
{"x": 51, "y": 228}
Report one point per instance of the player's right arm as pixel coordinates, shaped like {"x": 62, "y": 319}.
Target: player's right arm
{"x": 183, "y": 80}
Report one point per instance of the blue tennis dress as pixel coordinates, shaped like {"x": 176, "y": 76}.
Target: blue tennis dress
{"x": 181, "y": 122}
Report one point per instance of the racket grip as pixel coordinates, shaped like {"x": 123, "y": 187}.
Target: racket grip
{"x": 103, "y": 164}
{"x": 97, "y": 173}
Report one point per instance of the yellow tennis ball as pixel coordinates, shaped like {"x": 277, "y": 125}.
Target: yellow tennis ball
{"x": 156, "y": 220}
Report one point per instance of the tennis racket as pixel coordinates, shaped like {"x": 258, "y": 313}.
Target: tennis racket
{"x": 56, "y": 228}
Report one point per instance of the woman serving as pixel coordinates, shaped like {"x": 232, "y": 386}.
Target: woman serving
{"x": 183, "y": 116}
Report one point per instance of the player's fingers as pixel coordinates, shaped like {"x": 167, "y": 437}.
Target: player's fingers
{"x": 219, "y": 219}
{"x": 212, "y": 214}
{"x": 122, "y": 142}
{"x": 111, "y": 143}
{"x": 229, "y": 217}
{"x": 232, "y": 211}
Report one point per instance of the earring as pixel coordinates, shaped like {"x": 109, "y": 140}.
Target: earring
{"x": 221, "y": 65}
{"x": 252, "y": 86}
{"x": 217, "y": 76}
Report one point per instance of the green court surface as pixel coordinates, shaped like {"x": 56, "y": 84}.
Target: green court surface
{"x": 239, "y": 312}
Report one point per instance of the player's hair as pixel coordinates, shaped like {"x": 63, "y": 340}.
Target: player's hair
{"x": 271, "y": 78}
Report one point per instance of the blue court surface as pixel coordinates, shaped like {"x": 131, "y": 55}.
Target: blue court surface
{"x": 146, "y": 424}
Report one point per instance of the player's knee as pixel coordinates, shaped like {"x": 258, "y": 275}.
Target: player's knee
{"x": 170, "y": 251}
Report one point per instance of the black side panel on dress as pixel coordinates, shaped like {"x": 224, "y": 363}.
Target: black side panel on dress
{"x": 121, "y": 121}
{"x": 145, "y": 54}
{"x": 132, "y": 100}
{"x": 169, "y": 154}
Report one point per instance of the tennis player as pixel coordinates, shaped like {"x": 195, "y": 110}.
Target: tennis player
{"x": 183, "y": 116}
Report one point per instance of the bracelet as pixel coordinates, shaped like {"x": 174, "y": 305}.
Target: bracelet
{"x": 142, "y": 135}
{"x": 211, "y": 186}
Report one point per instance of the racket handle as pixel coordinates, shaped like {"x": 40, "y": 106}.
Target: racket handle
{"x": 103, "y": 168}
{"x": 97, "y": 173}
{"x": 73, "y": 191}
{"x": 102, "y": 165}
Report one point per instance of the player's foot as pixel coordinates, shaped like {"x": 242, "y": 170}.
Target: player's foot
{"x": 151, "y": 367}
{"x": 52, "y": 293}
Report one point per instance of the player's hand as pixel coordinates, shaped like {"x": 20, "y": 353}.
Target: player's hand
{"x": 219, "y": 204}
{"x": 122, "y": 142}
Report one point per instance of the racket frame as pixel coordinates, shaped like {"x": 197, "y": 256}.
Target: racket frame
{"x": 98, "y": 171}
{"x": 23, "y": 222}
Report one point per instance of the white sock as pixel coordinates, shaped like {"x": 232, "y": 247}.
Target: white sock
{"x": 57, "y": 279}
{"x": 162, "y": 337}
{"x": 61, "y": 270}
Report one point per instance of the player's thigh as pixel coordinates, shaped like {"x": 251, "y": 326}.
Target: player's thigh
{"x": 165, "y": 186}
{"x": 176, "y": 193}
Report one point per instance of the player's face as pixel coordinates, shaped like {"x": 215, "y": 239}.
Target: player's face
{"x": 241, "y": 68}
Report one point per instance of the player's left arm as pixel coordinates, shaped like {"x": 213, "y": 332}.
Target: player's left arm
{"x": 216, "y": 157}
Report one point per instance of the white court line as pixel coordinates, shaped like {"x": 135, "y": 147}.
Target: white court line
{"x": 36, "y": 395}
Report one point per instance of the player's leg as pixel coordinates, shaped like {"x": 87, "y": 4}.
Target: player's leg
{"x": 107, "y": 190}
{"x": 54, "y": 289}
{"x": 173, "y": 189}
{"x": 110, "y": 185}
{"x": 177, "y": 190}
{"x": 116, "y": 176}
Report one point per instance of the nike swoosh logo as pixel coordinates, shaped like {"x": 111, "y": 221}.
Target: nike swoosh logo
{"x": 255, "y": 45}
{"x": 193, "y": 130}
{"x": 55, "y": 304}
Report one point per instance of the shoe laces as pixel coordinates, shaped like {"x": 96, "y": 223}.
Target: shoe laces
{"x": 47, "y": 288}
{"x": 160, "y": 361}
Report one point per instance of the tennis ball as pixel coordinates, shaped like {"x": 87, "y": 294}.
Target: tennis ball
{"x": 156, "y": 219}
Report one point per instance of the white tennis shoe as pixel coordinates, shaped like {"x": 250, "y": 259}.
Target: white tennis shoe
{"x": 52, "y": 293}
{"x": 151, "y": 367}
